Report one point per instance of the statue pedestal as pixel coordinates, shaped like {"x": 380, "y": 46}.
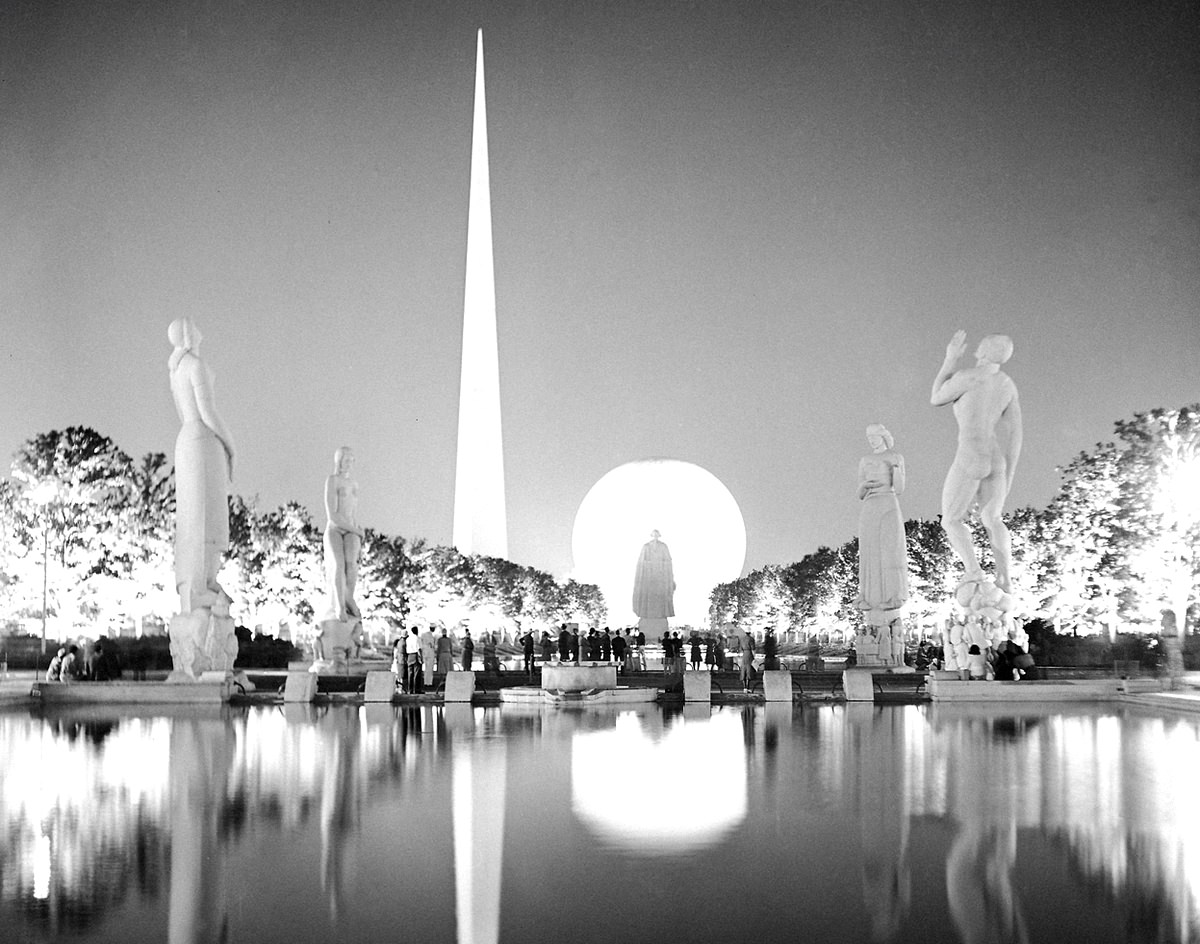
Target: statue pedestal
{"x": 202, "y": 641}
{"x": 336, "y": 644}
{"x": 653, "y": 626}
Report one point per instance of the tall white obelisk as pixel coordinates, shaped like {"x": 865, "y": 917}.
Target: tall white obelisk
{"x": 480, "y": 521}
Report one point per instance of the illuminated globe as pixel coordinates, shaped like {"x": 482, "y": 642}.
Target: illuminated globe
{"x": 699, "y": 521}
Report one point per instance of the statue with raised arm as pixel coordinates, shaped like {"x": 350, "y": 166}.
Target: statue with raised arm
{"x": 343, "y": 536}
{"x": 988, "y": 411}
{"x": 882, "y": 551}
{"x": 654, "y": 585}
{"x": 202, "y": 637}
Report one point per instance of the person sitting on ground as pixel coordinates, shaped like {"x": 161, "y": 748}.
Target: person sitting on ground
{"x": 71, "y": 670}
{"x": 54, "y": 671}
{"x": 105, "y": 665}
{"x": 976, "y": 663}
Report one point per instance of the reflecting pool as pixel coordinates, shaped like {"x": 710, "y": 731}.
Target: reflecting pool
{"x": 486, "y": 825}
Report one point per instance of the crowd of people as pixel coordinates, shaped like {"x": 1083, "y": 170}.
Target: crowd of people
{"x": 100, "y": 663}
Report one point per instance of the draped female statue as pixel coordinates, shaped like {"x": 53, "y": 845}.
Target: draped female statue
{"x": 204, "y": 455}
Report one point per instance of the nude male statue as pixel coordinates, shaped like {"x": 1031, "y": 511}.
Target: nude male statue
{"x": 989, "y": 443}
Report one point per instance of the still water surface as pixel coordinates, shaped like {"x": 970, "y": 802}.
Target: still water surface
{"x": 480, "y": 826}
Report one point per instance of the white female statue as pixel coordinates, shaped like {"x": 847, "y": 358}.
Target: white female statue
{"x": 343, "y": 536}
{"x": 882, "y": 552}
{"x": 204, "y": 455}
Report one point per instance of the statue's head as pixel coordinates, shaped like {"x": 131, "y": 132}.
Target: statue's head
{"x": 994, "y": 349}
{"x": 184, "y": 334}
{"x": 343, "y": 459}
{"x": 876, "y": 433}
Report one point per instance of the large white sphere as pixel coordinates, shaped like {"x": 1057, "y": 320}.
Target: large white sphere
{"x": 698, "y": 519}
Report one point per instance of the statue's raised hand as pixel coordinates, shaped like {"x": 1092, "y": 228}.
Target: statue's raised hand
{"x": 957, "y": 347}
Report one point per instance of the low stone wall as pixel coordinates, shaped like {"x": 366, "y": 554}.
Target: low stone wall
{"x": 943, "y": 689}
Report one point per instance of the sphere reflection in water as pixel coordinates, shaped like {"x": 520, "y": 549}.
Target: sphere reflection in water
{"x": 691, "y": 764}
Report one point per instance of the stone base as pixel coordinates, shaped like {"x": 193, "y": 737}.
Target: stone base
{"x": 943, "y": 689}
{"x": 381, "y": 686}
{"x": 131, "y": 693}
{"x": 859, "y": 684}
{"x": 777, "y": 685}
{"x": 578, "y": 678}
{"x": 697, "y": 686}
{"x": 336, "y": 644}
{"x": 653, "y": 627}
{"x": 202, "y": 641}
{"x": 537, "y": 699}
{"x": 300, "y": 687}
{"x": 460, "y": 687}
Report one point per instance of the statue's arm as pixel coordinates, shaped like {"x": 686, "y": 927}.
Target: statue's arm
{"x": 333, "y": 511}
{"x": 950, "y": 384}
{"x": 207, "y": 407}
{"x": 1011, "y": 420}
{"x": 898, "y": 475}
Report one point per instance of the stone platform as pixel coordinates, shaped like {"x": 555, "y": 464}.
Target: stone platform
{"x": 1023, "y": 692}
{"x": 131, "y": 693}
{"x": 579, "y": 678}
{"x": 528, "y": 695}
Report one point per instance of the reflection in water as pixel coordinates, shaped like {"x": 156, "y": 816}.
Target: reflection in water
{"x": 388, "y": 823}
{"x": 479, "y": 789}
{"x": 691, "y": 789}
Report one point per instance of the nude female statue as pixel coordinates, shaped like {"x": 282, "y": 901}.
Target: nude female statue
{"x": 989, "y": 444}
{"x": 204, "y": 456}
{"x": 343, "y": 536}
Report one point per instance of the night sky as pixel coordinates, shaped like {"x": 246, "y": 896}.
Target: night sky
{"x": 733, "y": 234}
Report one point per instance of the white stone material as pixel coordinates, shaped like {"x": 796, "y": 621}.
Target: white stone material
{"x": 336, "y": 643}
{"x": 381, "y": 686}
{"x": 460, "y": 686}
{"x": 697, "y": 686}
{"x": 300, "y": 687}
{"x": 859, "y": 684}
{"x": 578, "y": 678}
{"x": 777, "y": 685}
{"x": 480, "y": 519}
{"x": 989, "y": 443}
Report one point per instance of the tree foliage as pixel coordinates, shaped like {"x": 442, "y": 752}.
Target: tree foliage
{"x": 105, "y": 524}
{"x": 1118, "y": 544}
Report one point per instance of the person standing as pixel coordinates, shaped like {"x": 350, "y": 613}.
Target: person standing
{"x": 527, "y": 649}
{"x": 770, "y": 650}
{"x": 468, "y": 650}
{"x": 694, "y": 645}
{"x": 747, "y": 660}
{"x": 547, "y": 647}
{"x": 490, "y": 662}
{"x": 618, "y": 650}
{"x": 412, "y": 663}
{"x": 445, "y": 653}
{"x": 564, "y": 644}
{"x": 606, "y": 646}
{"x": 428, "y": 656}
